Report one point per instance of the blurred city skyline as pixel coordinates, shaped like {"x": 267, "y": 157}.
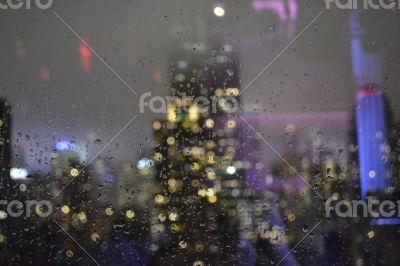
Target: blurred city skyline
{"x": 56, "y": 97}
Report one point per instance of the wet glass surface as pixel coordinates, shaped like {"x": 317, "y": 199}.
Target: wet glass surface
{"x": 260, "y": 132}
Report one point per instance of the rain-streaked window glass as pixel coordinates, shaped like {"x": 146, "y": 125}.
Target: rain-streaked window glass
{"x": 199, "y": 133}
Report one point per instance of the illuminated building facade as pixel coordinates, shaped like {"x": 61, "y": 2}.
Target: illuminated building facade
{"x": 372, "y": 141}
{"x": 197, "y": 173}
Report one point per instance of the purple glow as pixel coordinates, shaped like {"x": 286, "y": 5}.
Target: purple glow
{"x": 271, "y": 127}
{"x": 286, "y": 10}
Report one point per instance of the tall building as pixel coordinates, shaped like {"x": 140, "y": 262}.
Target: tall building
{"x": 197, "y": 174}
{"x": 376, "y": 173}
{"x": 372, "y": 141}
{"x": 5, "y": 182}
{"x": 71, "y": 198}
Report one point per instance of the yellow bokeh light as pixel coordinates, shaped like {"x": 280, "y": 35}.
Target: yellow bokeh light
{"x": 210, "y": 192}
{"x": 174, "y": 185}
{"x": 109, "y": 211}
{"x": 130, "y": 214}
{"x": 159, "y": 199}
{"x": 232, "y": 92}
{"x": 211, "y": 175}
{"x": 194, "y": 113}
{"x": 231, "y": 124}
{"x": 371, "y": 234}
{"x": 172, "y": 182}
{"x": 182, "y": 244}
{"x": 170, "y": 141}
{"x": 196, "y": 167}
{"x": 95, "y": 237}
{"x": 219, "y": 92}
{"x": 69, "y": 253}
{"x": 195, "y": 129}
{"x": 210, "y": 157}
{"x": 219, "y": 11}
{"x": 65, "y": 209}
{"x": 209, "y": 123}
{"x": 82, "y": 217}
{"x": 171, "y": 114}
{"x": 162, "y": 217}
{"x": 210, "y": 144}
{"x": 158, "y": 157}
{"x": 212, "y": 199}
{"x": 173, "y": 216}
{"x": 157, "y": 125}
{"x": 74, "y": 172}
{"x": 175, "y": 228}
{"x": 202, "y": 192}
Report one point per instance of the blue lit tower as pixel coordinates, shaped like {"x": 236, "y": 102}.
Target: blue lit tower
{"x": 372, "y": 141}
{"x": 370, "y": 112}
{"x": 373, "y": 146}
